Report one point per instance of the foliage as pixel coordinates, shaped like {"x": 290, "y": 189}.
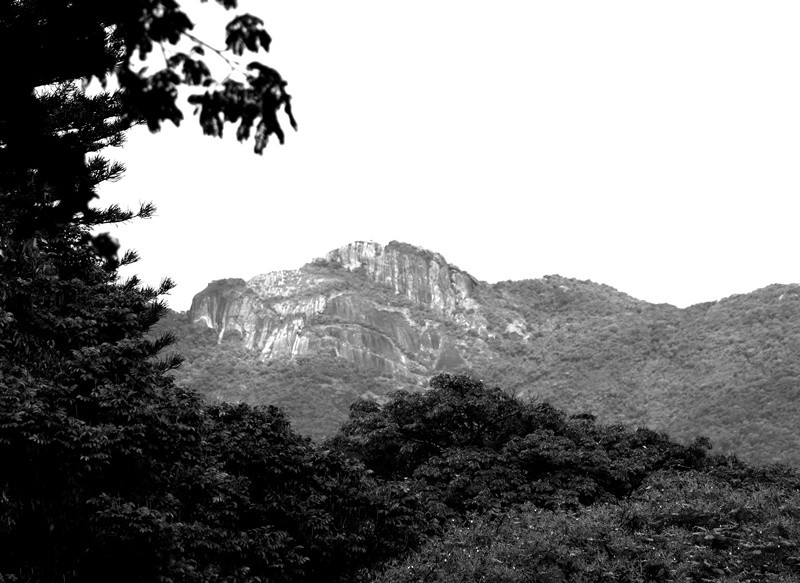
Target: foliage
{"x": 110, "y": 470}
{"x": 43, "y": 169}
{"x": 326, "y": 514}
{"x": 677, "y": 527}
{"x": 466, "y": 448}
{"x": 724, "y": 369}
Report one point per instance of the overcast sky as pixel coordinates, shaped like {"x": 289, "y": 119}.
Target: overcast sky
{"x": 650, "y": 146}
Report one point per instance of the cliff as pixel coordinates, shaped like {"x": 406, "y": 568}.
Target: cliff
{"x": 424, "y": 278}
{"x": 397, "y": 309}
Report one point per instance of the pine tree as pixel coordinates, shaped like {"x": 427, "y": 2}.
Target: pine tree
{"x": 82, "y": 390}
{"x": 91, "y": 428}
{"x": 108, "y": 471}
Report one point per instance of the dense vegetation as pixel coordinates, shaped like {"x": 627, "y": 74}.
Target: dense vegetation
{"x": 727, "y": 369}
{"x": 158, "y": 484}
{"x": 689, "y": 526}
{"x": 113, "y": 472}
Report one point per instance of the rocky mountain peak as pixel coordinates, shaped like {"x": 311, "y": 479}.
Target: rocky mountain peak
{"x": 422, "y": 276}
{"x": 394, "y": 308}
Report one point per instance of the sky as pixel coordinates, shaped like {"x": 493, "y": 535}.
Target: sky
{"x": 650, "y": 146}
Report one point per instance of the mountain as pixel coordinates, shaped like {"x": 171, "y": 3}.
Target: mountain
{"x": 396, "y": 310}
{"x": 366, "y": 319}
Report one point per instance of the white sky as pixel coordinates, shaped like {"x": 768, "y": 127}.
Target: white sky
{"x": 651, "y": 146}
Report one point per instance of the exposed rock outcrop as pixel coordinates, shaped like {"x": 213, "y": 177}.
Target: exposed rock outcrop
{"x": 396, "y": 309}
{"x": 423, "y": 277}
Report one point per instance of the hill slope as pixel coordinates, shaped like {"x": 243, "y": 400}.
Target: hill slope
{"x": 367, "y": 319}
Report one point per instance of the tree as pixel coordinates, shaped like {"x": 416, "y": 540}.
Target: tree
{"x": 457, "y": 412}
{"x": 102, "y": 454}
{"x": 88, "y": 420}
{"x": 110, "y": 471}
{"x": 44, "y": 174}
{"x": 464, "y": 446}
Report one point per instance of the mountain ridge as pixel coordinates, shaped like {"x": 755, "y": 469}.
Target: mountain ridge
{"x": 396, "y": 314}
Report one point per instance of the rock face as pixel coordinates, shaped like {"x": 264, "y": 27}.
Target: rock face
{"x": 424, "y": 278}
{"x": 397, "y": 309}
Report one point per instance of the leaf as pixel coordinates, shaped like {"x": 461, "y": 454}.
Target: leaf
{"x": 265, "y": 39}
{"x": 176, "y": 60}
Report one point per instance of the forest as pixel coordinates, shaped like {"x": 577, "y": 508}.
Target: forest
{"x": 113, "y": 472}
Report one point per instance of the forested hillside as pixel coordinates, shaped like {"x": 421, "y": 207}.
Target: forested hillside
{"x": 368, "y": 319}
{"x": 726, "y": 369}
